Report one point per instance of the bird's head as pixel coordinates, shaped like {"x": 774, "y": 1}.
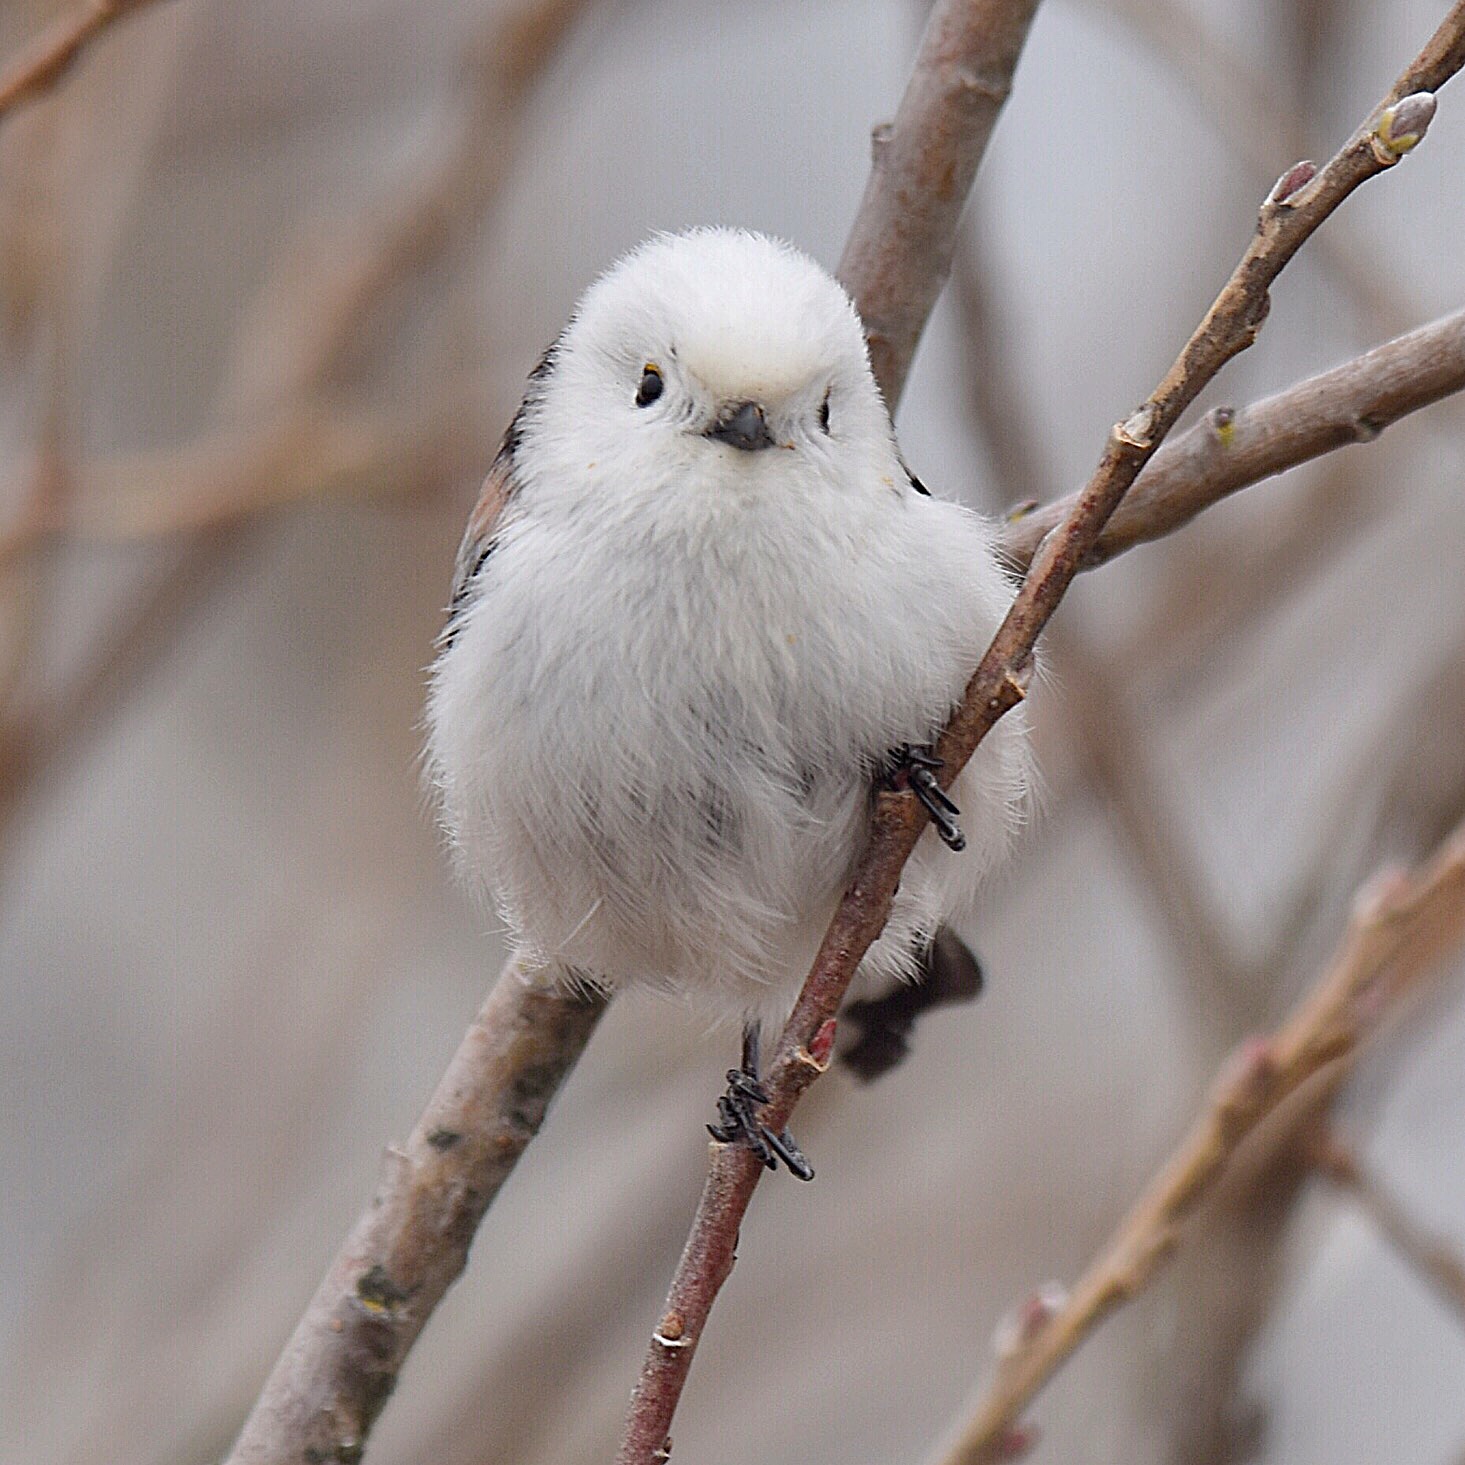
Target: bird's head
{"x": 722, "y": 348}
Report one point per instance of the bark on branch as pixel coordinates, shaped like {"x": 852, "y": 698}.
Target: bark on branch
{"x": 411, "y": 1243}
{"x": 1297, "y": 205}
{"x": 900, "y": 248}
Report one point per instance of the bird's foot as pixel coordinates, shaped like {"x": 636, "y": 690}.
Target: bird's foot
{"x": 738, "y": 1116}
{"x": 915, "y": 769}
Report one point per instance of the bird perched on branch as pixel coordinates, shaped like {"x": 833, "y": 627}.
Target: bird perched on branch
{"x": 701, "y": 610}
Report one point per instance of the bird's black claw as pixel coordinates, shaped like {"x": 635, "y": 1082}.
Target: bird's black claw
{"x": 916, "y": 768}
{"x": 787, "y": 1150}
{"x": 738, "y": 1119}
{"x": 742, "y": 1081}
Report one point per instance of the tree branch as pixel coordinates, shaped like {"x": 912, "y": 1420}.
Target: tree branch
{"x": 1233, "y": 448}
{"x": 1432, "y": 1257}
{"x": 316, "y": 1361}
{"x": 53, "y": 53}
{"x": 410, "y": 1244}
{"x": 1298, "y": 204}
{"x": 1399, "y": 926}
{"x": 899, "y": 251}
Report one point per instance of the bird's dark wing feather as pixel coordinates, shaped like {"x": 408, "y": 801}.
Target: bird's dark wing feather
{"x": 480, "y": 536}
{"x": 499, "y": 488}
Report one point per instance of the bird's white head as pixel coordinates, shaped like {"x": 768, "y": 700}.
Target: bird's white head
{"x": 716, "y": 348}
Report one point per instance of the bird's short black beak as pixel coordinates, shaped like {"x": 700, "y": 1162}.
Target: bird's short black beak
{"x": 743, "y": 427}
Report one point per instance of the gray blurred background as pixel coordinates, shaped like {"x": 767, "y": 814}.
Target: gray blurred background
{"x": 272, "y": 277}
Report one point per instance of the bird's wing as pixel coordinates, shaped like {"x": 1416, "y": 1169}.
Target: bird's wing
{"x": 916, "y": 483}
{"x": 480, "y": 535}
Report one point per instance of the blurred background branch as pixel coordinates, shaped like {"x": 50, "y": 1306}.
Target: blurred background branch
{"x": 53, "y": 54}
{"x": 1402, "y": 926}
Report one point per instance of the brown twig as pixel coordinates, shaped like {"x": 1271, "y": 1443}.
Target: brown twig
{"x": 1432, "y": 1257}
{"x": 1107, "y": 739}
{"x": 895, "y": 262}
{"x": 1298, "y": 204}
{"x": 1258, "y": 118}
{"x": 304, "y": 451}
{"x": 1233, "y": 448}
{"x": 52, "y": 54}
{"x": 409, "y": 1246}
{"x": 900, "y": 249}
{"x": 310, "y": 320}
{"x": 1399, "y": 926}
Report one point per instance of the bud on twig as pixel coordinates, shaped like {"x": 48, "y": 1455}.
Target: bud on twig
{"x": 1401, "y": 127}
{"x": 1017, "y": 1442}
{"x": 1296, "y": 178}
{"x": 1023, "y": 1322}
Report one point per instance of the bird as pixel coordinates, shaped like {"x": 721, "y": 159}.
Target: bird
{"x": 700, "y": 611}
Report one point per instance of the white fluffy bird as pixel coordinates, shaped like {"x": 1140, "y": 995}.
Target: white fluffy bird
{"x": 700, "y": 609}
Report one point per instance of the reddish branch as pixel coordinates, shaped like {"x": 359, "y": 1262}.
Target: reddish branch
{"x": 1299, "y": 203}
{"x": 52, "y": 54}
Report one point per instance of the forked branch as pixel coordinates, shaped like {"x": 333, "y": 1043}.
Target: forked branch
{"x": 1234, "y": 448}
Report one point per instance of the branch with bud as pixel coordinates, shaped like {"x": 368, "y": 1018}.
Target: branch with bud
{"x": 1402, "y": 924}
{"x": 1235, "y": 447}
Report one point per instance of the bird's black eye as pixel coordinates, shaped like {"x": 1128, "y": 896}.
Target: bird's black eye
{"x": 824, "y": 413}
{"x": 650, "y": 388}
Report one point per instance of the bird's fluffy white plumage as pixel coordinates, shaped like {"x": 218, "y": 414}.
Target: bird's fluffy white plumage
{"x": 671, "y": 680}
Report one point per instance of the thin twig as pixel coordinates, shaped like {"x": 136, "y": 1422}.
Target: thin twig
{"x": 1233, "y": 448}
{"x": 1299, "y": 203}
{"x": 411, "y": 1243}
{"x": 1260, "y": 120}
{"x": 1438, "y": 1262}
{"x": 52, "y": 54}
{"x": 1400, "y": 925}
{"x": 1107, "y": 738}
